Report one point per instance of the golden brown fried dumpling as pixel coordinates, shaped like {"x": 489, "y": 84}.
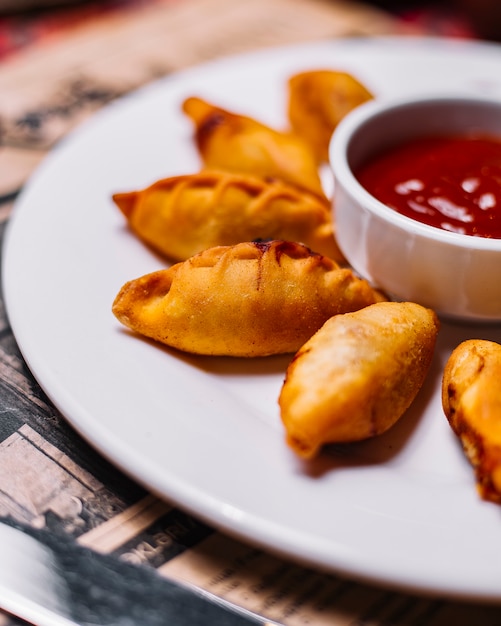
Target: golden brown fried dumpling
{"x": 357, "y": 375}
{"x": 318, "y": 101}
{"x": 237, "y": 143}
{"x": 248, "y": 300}
{"x": 183, "y": 215}
{"x": 471, "y": 398}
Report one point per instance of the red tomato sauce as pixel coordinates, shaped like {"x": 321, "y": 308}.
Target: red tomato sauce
{"x": 450, "y": 182}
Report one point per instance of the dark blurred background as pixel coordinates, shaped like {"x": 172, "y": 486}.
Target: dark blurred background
{"x": 478, "y": 18}
{"x": 462, "y": 18}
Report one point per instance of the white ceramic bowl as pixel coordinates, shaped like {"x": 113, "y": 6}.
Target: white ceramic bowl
{"x": 459, "y": 276}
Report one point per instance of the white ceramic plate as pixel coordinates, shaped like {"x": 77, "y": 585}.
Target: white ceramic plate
{"x": 205, "y": 433}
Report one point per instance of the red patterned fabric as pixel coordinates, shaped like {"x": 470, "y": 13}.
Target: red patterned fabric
{"x": 20, "y": 30}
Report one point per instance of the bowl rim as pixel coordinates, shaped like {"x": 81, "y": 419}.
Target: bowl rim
{"x": 342, "y": 171}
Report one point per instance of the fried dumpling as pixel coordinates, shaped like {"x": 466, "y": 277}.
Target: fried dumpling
{"x": 237, "y": 143}
{"x": 318, "y": 100}
{"x": 471, "y": 399}
{"x": 183, "y": 215}
{"x": 357, "y": 375}
{"x": 247, "y": 300}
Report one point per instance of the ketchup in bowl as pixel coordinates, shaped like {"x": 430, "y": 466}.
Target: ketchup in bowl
{"x": 449, "y": 182}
